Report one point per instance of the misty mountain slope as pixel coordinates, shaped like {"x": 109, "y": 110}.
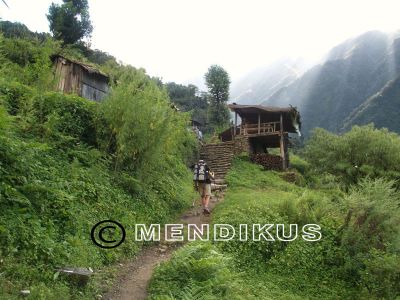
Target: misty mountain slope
{"x": 354, "y": 71}
{"x": 382, "y": 109}
{"x": 260, "y": 84}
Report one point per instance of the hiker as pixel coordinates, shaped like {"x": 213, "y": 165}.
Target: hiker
{"x": 198, "y": 133}
{"x": 202, "y": 177}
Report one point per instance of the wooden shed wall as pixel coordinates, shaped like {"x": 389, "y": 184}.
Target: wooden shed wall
{"x": 69, "y": 76}
{"x": 74, "y": 79}
{"x": 94, "y": 87}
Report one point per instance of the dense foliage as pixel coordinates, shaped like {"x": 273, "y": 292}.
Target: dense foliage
{"x": 361, "y": 152}
{"x": 197, "y": 271}
{"x": 67, "y": 163}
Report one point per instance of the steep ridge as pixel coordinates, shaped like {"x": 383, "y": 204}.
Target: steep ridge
{"x": 218, "y": 157}
{"x": 354, "y": 71}
{"x": 382, "y": 109}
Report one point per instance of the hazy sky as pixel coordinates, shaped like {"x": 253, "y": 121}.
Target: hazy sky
{"x": 179, "y": 39}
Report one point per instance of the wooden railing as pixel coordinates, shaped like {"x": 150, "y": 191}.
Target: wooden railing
{"x": 262, "y": 128}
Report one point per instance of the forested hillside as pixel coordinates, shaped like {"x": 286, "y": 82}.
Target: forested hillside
{"x": 381, "y": 109}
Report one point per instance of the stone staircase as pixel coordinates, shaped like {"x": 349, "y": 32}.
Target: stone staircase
{"x": 219, "y": 158}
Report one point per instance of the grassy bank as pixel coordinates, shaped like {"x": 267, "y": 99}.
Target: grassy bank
{"x": 327, "y": 269}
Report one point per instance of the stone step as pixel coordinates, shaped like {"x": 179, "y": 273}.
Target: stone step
{"x": 219, "y": 167}
{"x": 218, "y": 155}
{"x": 218, "y": 162}
{"x": 220, "y": 145}
{"x": 217, "y": 150}
{"x": 219, "y": 159}
{"x": 220, "y": 170}
{"x": 224, "y": 168}
{"x": 216, "y": 158}
{"x": 222, "y": 164}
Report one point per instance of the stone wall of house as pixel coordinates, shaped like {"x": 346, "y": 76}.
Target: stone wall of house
{"x": 242, "y": 144}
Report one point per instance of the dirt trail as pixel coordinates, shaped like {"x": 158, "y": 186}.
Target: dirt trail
{"x": 135, "y": 275}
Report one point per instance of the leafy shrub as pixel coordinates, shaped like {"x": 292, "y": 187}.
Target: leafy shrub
{"x": 143, "y": 129}
{"x": 28, "y": 61}
{"x": 56, "y": 115}
{"x": 373, "y": 218}
{"x": 381, "y": 275}
{"x": 370, "y": 235}
{"x": 15, "y": 97}
{"x": 299, "y": 163}
{"x": 362, "y": 152}
{"x": 197, "y": 271}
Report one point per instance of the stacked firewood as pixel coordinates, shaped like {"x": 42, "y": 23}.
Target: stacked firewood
{"x": 268, "y": 161}
{"x": 289, "y": 176}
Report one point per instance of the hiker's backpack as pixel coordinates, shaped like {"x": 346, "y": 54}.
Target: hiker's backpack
{"x": 200, "y": 174}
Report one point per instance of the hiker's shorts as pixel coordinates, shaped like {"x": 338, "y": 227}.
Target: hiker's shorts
{"x": 204, "y": 189}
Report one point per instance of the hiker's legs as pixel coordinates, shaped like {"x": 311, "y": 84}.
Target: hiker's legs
{"x": 200, "y": 189}
{"x": 207, "y": 195}
{"x": 206, "y": 200}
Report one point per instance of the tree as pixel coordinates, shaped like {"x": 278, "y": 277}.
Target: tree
{"x": 218, "y": 81}
{"x": 189, "y": 98}
{"x": 70, "y": 21}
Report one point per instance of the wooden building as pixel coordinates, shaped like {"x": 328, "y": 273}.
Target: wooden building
{"x": 74, "y": 77}
{"x": 263, "y": 127}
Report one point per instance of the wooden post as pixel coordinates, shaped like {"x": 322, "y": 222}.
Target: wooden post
{"x": 259, "y": 123}
{"x": 282, "y": 145}
{"x": 234, "y": 131}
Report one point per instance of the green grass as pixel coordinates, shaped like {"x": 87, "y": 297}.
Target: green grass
{"x": 262, "y": 270}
